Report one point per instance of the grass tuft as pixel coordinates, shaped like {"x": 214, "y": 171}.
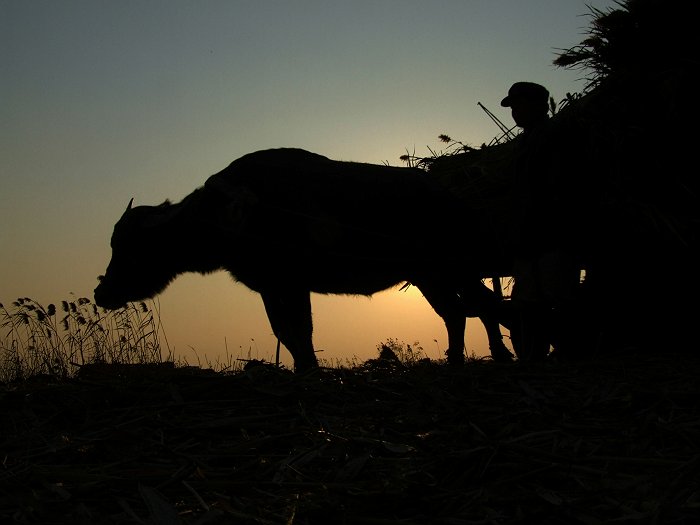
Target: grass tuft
{"x": 35, "y": 340}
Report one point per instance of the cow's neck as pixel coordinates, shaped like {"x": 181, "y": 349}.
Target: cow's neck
{"x": 190, "y": 236}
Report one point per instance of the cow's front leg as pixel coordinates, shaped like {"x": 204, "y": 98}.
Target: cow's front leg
{"x": 289, "y": 312}
{"x": 456, "y": 325}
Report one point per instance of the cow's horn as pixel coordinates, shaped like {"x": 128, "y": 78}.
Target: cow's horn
{"x": 130, "y": 203}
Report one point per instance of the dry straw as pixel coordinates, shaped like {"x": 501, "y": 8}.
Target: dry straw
{"x": 593, "y": 443}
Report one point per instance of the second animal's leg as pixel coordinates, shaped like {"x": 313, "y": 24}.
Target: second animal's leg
{"x": 289, "y": 312}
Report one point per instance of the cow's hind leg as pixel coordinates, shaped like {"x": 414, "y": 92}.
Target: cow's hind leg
{"x": 289, "y": 312}
{"x": 481, "y": 301}
{"x": 499, "y": 351}
{"x": 493, "y": 314}
{"x": 471, "y": 299}
{"x": 447, "y": 304}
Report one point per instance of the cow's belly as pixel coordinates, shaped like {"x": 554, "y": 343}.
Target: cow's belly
{"x": 327, "y": 275}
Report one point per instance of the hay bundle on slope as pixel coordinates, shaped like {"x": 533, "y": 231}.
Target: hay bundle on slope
{"x": 625, "y": 149}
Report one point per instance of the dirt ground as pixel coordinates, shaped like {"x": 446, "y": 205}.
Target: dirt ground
{"x": 611, "y": 441}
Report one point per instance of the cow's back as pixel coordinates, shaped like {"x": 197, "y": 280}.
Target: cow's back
{"x": 319, "y": 216}
{"x": 296, "y": 186}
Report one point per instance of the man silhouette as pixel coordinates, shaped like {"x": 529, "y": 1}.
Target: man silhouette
{"x": 546, "y": 274}
{"x": 529, "y": 104}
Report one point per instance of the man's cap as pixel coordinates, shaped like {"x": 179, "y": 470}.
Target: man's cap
{"x": 526, "y": 91}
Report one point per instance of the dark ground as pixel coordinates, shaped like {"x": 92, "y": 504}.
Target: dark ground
{"x": 612, "y": 441}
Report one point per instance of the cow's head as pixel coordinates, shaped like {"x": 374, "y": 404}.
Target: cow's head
{"x": 140, "y": 267}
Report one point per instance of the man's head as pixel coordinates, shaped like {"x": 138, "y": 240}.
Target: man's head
{"x": 529, "y": 103}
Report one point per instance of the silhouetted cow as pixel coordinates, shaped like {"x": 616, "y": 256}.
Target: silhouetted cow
{"x": 286, "y": 222}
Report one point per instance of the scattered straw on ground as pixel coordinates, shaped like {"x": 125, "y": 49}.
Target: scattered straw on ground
{"x": 613, "y": 441}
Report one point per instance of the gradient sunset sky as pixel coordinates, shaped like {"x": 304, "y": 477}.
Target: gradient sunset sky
{"x": 102, "y": 101}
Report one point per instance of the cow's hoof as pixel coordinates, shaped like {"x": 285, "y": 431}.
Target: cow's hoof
{"x": 501, "y": 355}
{"x": 306, "y": 368}
{"x": 455, "y": 360}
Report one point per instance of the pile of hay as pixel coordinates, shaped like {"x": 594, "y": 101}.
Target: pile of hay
{"x": 627, "y": 139}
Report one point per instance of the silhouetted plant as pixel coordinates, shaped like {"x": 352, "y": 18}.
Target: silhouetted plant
{"x": 453, "y": 147}
{"x": 393, "y": 349}
{"x": 40, "y": 340}
{"x": 639, "y": 36}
